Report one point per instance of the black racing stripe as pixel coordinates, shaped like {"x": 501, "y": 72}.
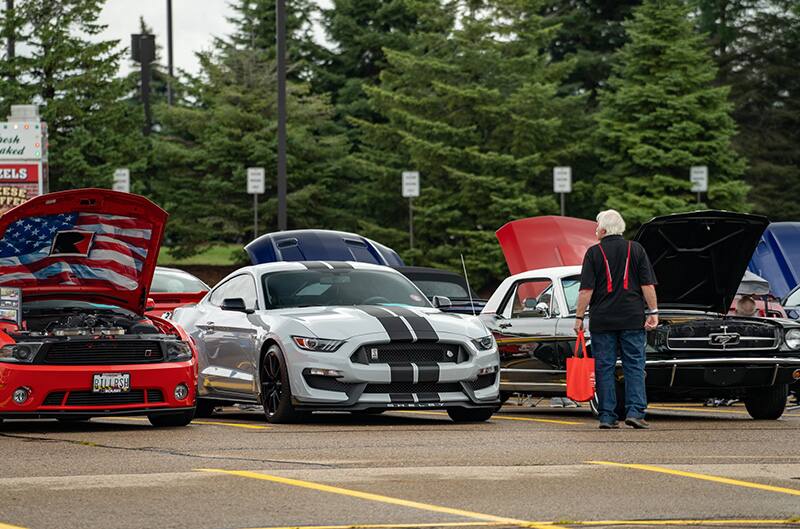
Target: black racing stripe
{"x": 393, "y": 325}
{"x": 316, "y": 265}
{"x": 401, "y": 397}
{"x": 402, "y": 372}
{"x": 428, "y": 397}
{"x": 340, "y": 265}
{"x": 420, "y": 325}
{"x": 428, "y": 372}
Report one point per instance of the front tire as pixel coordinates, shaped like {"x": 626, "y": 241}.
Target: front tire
{"x": 470, "y": 414}
{"x": 181, "y": 418}
{"x": 594, "y": 404}
{"x": 276, "y": 393}
{"x": 205, "y": 408}
{"x": 766, "y": 403}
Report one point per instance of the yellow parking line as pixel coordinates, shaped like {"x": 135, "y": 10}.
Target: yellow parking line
{"x": 686, "y": 522}
{"x": 708, "y": 410}
{"x": 212, "y": 423}
{"x": 498, "y": 417}
{"x": 663, "y": 523}
{"x": 389, "y": 525}
{"x": 373, "y": 497}
{"x": 9, "y": 526}
{"x": 704, "y": 477}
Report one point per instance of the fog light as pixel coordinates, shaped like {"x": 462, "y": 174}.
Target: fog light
{"x": 21, "y": 395}
{"x": 796, "y": 374}
{"x": 324, "y": 372}
{"x": 487, "y": 370}
{"x": 181, "y": 391}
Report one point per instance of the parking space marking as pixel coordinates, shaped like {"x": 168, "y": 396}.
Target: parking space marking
{"x": 498, "y": 417}
{"x": 728, "y": 522}
{"x": 374, "y": 497}
{"x": 212, "y": 423}
{"x": 389, "y": 525}
{"x": 585, "y": 523}
{"x": 708, "y": 410}
{"x": 704, "y": 477}
{"x": 9, "y": 526}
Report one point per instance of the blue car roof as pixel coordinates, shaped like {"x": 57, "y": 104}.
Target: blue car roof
{"x": 319, "y": 245}
{"x": 777, "y": 257}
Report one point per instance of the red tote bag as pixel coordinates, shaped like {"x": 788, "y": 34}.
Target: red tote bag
{"x": 580, "y": 373}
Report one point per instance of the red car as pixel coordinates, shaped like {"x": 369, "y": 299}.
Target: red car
{"x": 173, "y": 288}
{"x": 75, "y": 267}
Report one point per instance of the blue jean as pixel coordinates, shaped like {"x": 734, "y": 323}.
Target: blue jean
{"x": 606, "y": 348}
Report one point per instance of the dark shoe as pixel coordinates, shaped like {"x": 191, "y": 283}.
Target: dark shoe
{"x": 609, "y": 425}
{"x": 639, "y": 424}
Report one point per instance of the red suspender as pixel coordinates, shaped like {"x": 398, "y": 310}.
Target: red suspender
{"x": 609, "y": 286}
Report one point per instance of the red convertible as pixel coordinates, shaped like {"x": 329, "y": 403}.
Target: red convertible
{"x": 75, "y": 267}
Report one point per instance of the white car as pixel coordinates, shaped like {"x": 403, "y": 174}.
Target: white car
{"x": 347, "y": 336}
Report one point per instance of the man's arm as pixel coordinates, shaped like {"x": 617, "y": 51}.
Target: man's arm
{"x": 584, "y": 296}
{"x": 649, "y": 292}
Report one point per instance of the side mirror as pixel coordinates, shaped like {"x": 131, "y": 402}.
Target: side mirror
{"x": 149, "y": 305}
{"x": 235, "y": 304}
{"x": 543, "y": 309}
{"x": 441, "y": 302}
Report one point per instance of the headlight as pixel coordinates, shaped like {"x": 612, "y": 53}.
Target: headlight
{"x": 178, "y": 352}
{"x": 484, "y": 344}
{"x": 792, "y": 338}
{"x": 21, "y": 353}
{"x": 319, "y": 345}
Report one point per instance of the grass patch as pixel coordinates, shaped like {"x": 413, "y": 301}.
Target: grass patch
{"x": 224, "y": 254}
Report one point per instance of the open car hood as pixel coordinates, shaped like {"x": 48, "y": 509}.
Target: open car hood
{"x": 94, "y": 244}
{"x": 699, "y": 258}
{"x": 545, "y": 242}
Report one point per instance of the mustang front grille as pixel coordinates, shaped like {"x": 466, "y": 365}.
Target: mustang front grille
{"x": 89, "y": 398}
{"x": 408, "y": 387}
{"x": 722, "y": 335}
{"x": 102, "y": 352}
{"x": 409, "y": 352}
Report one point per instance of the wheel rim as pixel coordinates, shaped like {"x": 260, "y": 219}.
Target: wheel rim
{"x": 271, "y": 385}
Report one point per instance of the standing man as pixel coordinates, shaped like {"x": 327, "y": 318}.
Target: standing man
{"x": 617, "y": 281}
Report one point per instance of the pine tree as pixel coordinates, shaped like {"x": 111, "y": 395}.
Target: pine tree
{"x": 473, "y": 106}
{"x": 73, "y": 75}
{"x": 661, "y": 115}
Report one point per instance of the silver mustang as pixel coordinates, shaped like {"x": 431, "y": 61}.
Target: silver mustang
{"x": 308, "y": 336}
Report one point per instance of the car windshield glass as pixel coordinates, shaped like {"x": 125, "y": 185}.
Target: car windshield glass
{"x": 794, "y": 299}
{"x": 174, "y": 281}
{"x": 571, "y": 286}
{"x": 311, "y": 288}
{"x": 431, "y": 288}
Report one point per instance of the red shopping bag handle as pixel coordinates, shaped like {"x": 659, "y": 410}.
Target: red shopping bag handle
{"x": 580, "y": 345}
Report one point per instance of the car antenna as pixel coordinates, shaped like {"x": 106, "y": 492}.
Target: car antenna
{"x": 469, "y": 288}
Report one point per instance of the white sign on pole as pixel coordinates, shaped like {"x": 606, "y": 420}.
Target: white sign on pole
{"x": 122, "y": 180}
{"x": 410, "y": 184}
{"x": 562, "y": 179}
{"x": 698, "y": 175}
{"x": 21, "y": 141}
{"x": 255, "y": 180}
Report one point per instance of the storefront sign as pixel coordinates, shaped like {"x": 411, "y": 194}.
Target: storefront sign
{"x": 21, "y": 141}
{"x": 19, "y": 181}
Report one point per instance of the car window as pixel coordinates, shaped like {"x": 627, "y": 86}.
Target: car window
{"x": 794, "y": 299}
{"x": 571, "y": 286}
{"x": 441, "y": 288}
{"x": 174, "y": 281}
{"x": 526, "y": 295}
{"x": 242, "y": 286}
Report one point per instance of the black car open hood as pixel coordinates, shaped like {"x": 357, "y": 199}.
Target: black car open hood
{"x": 699, "y": 258}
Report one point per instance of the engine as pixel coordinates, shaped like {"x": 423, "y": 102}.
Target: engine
{"x": 86, "y": 324}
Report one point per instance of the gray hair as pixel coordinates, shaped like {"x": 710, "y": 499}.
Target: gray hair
{"x": 611, "y": 221}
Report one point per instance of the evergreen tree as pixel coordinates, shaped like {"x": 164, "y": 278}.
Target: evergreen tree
{"x": 73, "y": 76}
{"x": 473, "y": 106}
{"x": 661, "y": 115}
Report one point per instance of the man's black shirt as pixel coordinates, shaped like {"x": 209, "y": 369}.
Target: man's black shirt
{"x": 620, "y": 309}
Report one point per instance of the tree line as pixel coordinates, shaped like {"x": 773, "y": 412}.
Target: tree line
{"x": 482, "y": 97}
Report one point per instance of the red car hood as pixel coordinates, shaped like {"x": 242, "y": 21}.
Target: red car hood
{"x": 545, "y": 242}
{"x": 90, "y": 244}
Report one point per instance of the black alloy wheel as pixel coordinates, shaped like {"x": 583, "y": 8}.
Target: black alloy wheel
{"x": 766, "y": 403}
{"x": 276, "y": 393}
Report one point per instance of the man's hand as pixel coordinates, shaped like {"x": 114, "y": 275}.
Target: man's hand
{"x": 651, "y": 322}
{"x": 578, "y": 326}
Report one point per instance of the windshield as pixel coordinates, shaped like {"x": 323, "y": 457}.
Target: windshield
{"x": 176, "y": 281}
{"x": 312, "y": 288}
{"x": 794, "y": 299}
{"x": 442, "y": 288}
{"x": 571, "y": 286}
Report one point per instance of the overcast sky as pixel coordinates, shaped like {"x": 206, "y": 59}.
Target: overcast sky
{"x": 194, "y": 24}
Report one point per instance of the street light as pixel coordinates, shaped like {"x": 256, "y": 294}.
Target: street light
{"x": 280, "y": 34}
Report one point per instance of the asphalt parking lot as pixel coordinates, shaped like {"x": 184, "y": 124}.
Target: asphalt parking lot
{"x": 528, "y": 467}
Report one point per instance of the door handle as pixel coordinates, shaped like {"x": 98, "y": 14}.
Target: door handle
{"x": 504, "y": 325}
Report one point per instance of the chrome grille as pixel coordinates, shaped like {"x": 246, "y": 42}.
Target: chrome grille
{"x": 721, "y": 335}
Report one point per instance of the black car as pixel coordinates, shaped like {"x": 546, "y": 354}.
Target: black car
{"x": 698, "y": 351}
{"x": 435, "y": 283}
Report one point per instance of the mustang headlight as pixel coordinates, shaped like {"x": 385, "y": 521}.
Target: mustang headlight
{"x": 792, "y": 338}
{"x": 319, "y": 345}
{"x": 21, "y": 353}
{"x": 485, "y": 343}
{"x": 178, "y": 351}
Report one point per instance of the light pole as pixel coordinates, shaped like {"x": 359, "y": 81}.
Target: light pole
{"x": 10, "y": 42}
{"x": 280, "y": 33}
{"x": 169, "y": 52}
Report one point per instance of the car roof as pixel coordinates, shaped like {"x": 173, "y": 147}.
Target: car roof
{"x": 301, "y": 265}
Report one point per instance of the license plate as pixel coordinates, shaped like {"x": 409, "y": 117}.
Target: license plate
{"x": 111, "y": 383}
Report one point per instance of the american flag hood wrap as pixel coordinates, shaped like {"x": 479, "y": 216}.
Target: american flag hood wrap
{"x": 88, "y": 243}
